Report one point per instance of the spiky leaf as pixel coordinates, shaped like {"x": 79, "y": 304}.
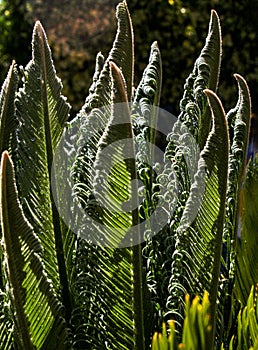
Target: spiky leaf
{"x": 113, "y": 289}
{"x": 182, "y": 157}
{"x": 7, "y": 142}
{"x": 239, "y": 123}
{"x": 198, "y": 244}
{"x": 194, "y": 109}
{"x": 246, "y": 259}
{"x": 7, "y": 110}
{"x": 42, "y": 113}
{"x": 34, "y": 303}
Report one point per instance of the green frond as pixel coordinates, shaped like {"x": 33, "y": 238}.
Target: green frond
{"x": 246, "y": 256}
{"x": 247, "y": 324}
{"x": 7, "y": 110}
{"x": 196, "y": 259}
{"x": 147, "y": 94}
{"x": 114, "y": 171}
{"x": 112, "y": 215}
{"x": 209, "y": 66}
{"x": 145, "y": 114}
{"x": 28, "y": 283}
{"x": 239, "y": 123}
{"x": 95, "y": 114}
{"x": 92, "y": 122}
{"x": 211, "y": 53}
{"x": 7, "y": 142}
{"x": 181, "y": 171}
{"x": 42, "y": 113}
{"x": 84, "y": 149}
{"x": 194, "y": 109}
{"x": 6, "y": 322}
{"x": 122, "y": 55}
{"x": 149, "y": 88}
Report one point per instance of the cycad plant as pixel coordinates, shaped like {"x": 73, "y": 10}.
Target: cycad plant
{"x": 103, "y": 235}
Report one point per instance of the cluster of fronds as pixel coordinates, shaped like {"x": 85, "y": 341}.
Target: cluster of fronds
{"x": 102, "y": 237}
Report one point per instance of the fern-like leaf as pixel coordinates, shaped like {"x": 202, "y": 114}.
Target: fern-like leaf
{"x": 181, "y": 166}
{"x": 42, "y": 113}
{"x": 28, "y": 283}
{"x": 112, "y": 216}
{"x": 122, "y": 55}
{"x": 196, "y": 260}
{"x": 147, "y": 95}
{"x": 7, "y": 142}
{"x": 8, "y": 126}
{"x": 239, "y": 123}
{"x": 247, "y": 324}
{"x": 7, "y": 110}
{"x": 246, "y": 259}
{"x": 145, "y": 117}
{"x": 194, "y": 109}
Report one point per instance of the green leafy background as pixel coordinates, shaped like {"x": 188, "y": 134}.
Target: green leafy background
{"x": 78, "y": 29}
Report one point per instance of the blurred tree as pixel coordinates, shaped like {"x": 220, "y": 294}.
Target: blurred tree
{"x": 180, "y": 28}
{"x": 77, "y": 30}
{"x": 15, "y": 34}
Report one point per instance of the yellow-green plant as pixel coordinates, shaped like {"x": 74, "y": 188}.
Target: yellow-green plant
{"x": 247, "y": 327}
{"x": 196, "y": 328}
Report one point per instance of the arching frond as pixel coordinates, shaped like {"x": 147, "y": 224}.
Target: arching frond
{"x": 196, "y": 260}
{"x": 239, "y": 123}
{"x": 116, "y": 272}
{"x": 194, "y": 109}
{"x": 185, "y": 141}
{"x": 42, "y": 113}
{"x": 8, "y": 121}
{"x": 246, "y": 256}
{"x": 8, "y": 125}
{"x": 28, "y": 282}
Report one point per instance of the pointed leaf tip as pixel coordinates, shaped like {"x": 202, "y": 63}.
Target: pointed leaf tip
{"x": 38, "y": 24}
{"x": 4, "y": 159}
{"x": 242, "y": 84}
{"x": 119, "y": 84}
{"x": 39, "y": 28}
{"x": 237, "y": 76}
{"x": 214, "y": 101}
{"x": 239, "y": 79}
{"x": 115, "y": 70}
{"x": 113, "y": 66}
{"x": 214, "y": 16}
{"x": 214, "y": 13}
{"x": 208, "y": 92}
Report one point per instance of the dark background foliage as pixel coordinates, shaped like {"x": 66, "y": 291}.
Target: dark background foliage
{"x": 77, "y": 30}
